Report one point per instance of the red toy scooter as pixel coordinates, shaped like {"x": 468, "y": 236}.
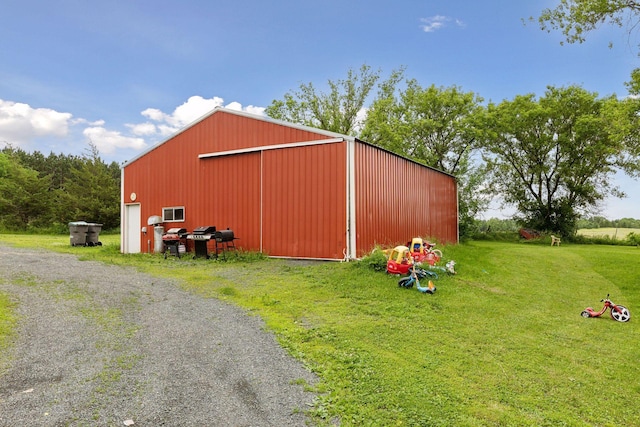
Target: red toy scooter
{"x": 618, "y": 312}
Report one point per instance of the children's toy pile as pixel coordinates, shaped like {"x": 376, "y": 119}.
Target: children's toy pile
{"x": 408, "y": 260}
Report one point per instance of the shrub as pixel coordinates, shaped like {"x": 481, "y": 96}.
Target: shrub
{"x": 633, "y": 239}
{"x": 376, "y": 261}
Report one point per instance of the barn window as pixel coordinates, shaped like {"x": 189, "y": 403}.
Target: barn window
{"x": 174, "y": 214}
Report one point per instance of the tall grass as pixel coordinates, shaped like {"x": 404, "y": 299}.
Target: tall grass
{"x": 501, "y": 343}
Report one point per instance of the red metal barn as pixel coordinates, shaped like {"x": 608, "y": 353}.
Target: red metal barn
{"x": 285, "y": 190}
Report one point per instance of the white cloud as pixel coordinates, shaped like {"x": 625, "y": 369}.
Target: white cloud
{"x": 361, "y": 116}
{"x": 165, "y": 130}
{"x": 81, "y": 121}
{"x": 250, "y": 109}
{"x": 433, "y": 23}
{"x": 20, "y": 123}
{"x": 143, "y": 129}
{"x": 45, "y": 129}
{"x": 234, "y": 106}
{"x": 186, "y": 113}
{"x": 255, "y": 110}
{"x": 194, "y": 108}
{"x": 108, "y": 141}
{"x": 154, "y": 114}
{"x": 436, "y": 22}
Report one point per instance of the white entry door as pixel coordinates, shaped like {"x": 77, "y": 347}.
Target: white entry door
{"x": 131, "y": 238}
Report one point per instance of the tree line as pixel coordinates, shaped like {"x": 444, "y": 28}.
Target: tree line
{"x": 39, "y": 192}
{"x": 552, "y": 157}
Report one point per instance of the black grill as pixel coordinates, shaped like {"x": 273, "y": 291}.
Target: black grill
{"x": 204, "y": 232}
{"x": 224, "y": 236}
{"x": 201, "y": 236}
{"x": 225, "y": 240}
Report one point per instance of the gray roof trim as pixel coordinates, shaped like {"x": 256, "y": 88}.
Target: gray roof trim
{"x": 270, "y": 147}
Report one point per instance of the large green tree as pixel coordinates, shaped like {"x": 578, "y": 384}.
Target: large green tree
{"x": 337, "y": 110}
{"x": 77, "y": 187}
{"x": 57, "y": 166}
{"x": 92, "y": 193}
{"x": 437, "y": 127}
{"x": 575, "y": 18}
{"x": 553, "y": 158}
{"x": 24, "y": 195}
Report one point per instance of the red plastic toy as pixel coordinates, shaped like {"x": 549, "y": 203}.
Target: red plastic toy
{"x": 399, "y": 261}
{"x": 424, "y": 251}
{"x": 618, "y": 312}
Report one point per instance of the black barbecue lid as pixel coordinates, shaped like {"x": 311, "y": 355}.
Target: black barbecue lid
{"x": 204, "y": 229}
{"x": 224, "y": 235}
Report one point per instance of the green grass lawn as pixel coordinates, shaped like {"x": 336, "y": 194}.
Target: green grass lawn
{"x": 501, "y": 343}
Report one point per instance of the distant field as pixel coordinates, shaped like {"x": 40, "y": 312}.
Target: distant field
{"x": 614, "y": 233}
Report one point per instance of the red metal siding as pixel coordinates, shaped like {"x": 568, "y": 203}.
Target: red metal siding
{"x": 289, "y": 201}
{"x": 171, "y": 174}
{"x": 397, "y": 200}
{"x": 223, "y": 131}
{"x": 304, "y": 201}
{"x": 231, "y": 196}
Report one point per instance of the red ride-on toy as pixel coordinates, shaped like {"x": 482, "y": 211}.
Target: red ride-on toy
{"x": 618, "y": 312}
{"x": 399, "y": 261}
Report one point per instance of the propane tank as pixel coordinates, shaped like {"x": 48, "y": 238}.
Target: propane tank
{"x": 158, "y": 244}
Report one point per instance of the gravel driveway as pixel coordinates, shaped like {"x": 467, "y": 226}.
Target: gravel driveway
{"x": 101, "y": 345}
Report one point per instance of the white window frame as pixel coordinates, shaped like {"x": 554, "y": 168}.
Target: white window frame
{"x": 173, "y": 210}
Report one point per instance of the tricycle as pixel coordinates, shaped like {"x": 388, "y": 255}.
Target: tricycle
{"x": 618, "y": 312}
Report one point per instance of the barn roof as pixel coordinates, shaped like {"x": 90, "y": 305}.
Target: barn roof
{"x": 267, "y": 119}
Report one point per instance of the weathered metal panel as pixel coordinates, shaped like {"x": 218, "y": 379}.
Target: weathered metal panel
{"x": 397, "y": 199}
{"x": 304, "y": 201}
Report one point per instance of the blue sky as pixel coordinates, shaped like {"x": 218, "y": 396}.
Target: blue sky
{"x": 126, "y": 74}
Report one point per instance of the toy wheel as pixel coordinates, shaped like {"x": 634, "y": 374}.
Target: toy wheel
{"x": 585, "y": 314}
{"x": 621, "y": 316}
{"x": 405, "y": 282}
